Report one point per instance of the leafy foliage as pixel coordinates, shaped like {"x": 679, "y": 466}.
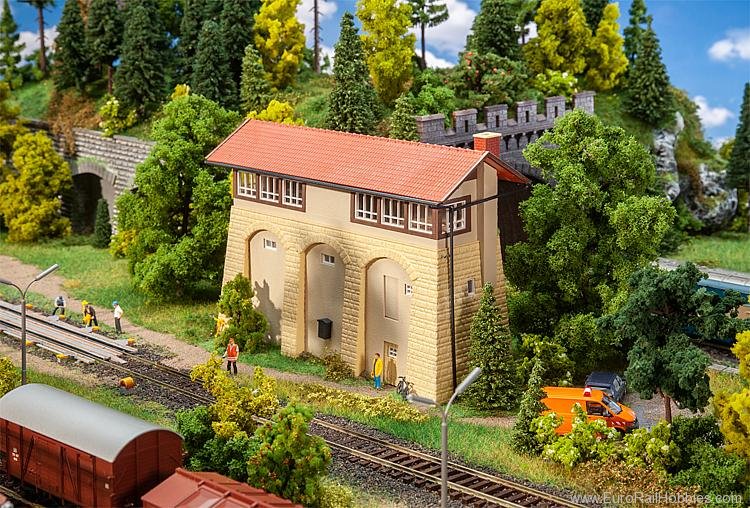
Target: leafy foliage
{"x": 72, "y": 54}
{"x": 247, "y": 325}
{"x": 180, "y": 211}
{"x": 649, "y": 95}
{"x": 10, "y": 125}
{"x": 435, "y": 99}
{"x": 524, "y": 437}
{"x": 280, "y": 40}
{"x": 113, "y": 121}
{"x": 289, "y": 461}
{"x": 738, "y": 169}
{"x": 494, "y": 30}
{"x": 10, "y": 378}
{"x": 558, "y": 368}
{"x": 334, "y": 495}
{"x": 10, "y": 49}
{"x": 427, "y": 13}
{"x": 336, "y": 368}
{"x": 556, "y": 83}
{"x": 715, "y": 470}
{"x": 29, "y": 194}
{"x": 121, "y": 242}
{"x": 651, "y": 448}
{"x": 563, "y": 39}
{"x": 212, "y": 77}
{"x": 733, "y": 409}
{"x": 490, "y": 349}
{"x": 353, "y": 102}
{"x": 594, "y": 11}
{"x": 279, "y": 112}
{"x": 388, "y": 45}
{"x": 375, "y": 407}
{"x": 489, "y": 79}
{"x": 104, "y": 34}
{"x": 255, "y": 92}
{"x": 102, "y": 226}
{"x": 606, "y": 60}
{"x": 403, "y": 125}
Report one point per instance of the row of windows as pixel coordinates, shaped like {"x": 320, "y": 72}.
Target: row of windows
{"x": 269, "y": 188}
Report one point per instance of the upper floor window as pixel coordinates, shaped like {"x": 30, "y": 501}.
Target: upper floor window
{"x": 420, "y": 218}
{"x": 366, "y": 207}
{"x": 293, "y": 193}
{"x": 246, "y": 184}
{"x": 393, "y": 212}
{"x": 459, "y": 218}
{"x": 269, "y": 188}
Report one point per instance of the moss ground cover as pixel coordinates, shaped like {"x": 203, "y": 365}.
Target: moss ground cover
{"x": 33, "y": 98}
{"x": 730, "y": 251}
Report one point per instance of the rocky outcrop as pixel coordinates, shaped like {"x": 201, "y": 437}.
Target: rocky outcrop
{"x": 664, "y": 158}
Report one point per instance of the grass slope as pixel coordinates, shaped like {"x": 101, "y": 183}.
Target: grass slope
{"x": 33, "y": 98}
{"x": 609, "y": 107}
{"x": 730, "y": 251}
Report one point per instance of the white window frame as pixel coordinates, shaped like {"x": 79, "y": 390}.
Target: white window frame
{"x": 392, "y": 213}
{"x": 328, "y": 259}
{"x": 269, "y": 244}
{"x": 366, "y": 207}
{"x": 292, "y": 193}
{"x": 420, "y": 218}
{"x": 471, "y": 287}
{"x": 247, "y": 185}
{"x": 392, "y": 351}
{"x": 408, "y": 289}
{"x": 459, "y": 218}
{"x": 269, "y": 188}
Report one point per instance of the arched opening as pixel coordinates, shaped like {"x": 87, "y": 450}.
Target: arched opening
{"x": 324, "y": 299}
{"x": 80, "y": 202}
{"x": 264, "y": 266}
{"x": 387, "y": 315}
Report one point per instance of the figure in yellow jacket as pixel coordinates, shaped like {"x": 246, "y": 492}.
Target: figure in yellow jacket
{"x": 377, "y": 371}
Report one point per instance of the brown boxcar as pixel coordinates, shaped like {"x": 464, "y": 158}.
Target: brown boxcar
{"x": 188, "y": 489}
{"x": 82, "y": 452}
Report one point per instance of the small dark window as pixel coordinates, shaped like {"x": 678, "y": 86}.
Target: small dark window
{"x": 466, "y": 126}
{"x": 556, "y": 112}
{"x": 470, "y": 287}
{"x": 594, "y": 408}
{"x": 497, "y": 121}
{"x": 527, "y": 116}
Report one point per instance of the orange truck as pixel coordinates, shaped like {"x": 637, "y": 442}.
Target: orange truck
{"x": 597, "y": 404}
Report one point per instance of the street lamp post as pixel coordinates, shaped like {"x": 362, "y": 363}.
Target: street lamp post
{"x": 468, "y": 380}
{"x": 23, "y": 313}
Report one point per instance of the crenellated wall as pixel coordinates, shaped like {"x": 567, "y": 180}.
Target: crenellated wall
{"x": 517, "y": 133}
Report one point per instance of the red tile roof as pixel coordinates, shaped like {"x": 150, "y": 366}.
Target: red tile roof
{"x": 410, "y": 169}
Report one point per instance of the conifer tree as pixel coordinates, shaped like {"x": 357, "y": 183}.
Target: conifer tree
{"x": 353, "y": 102}
{"x": 72, "y": 54}
{"x": 211, "y": 75}
{"x": 490, "y": 350}
{"x": 403, "y": 124}
{"x": 607, "y": 62}
{"x": 649, "y": 96}
{"x": 280, "y": 40}
{"x": 427, "y": 13}
{"x": 10, "y": 50}
{"x": 40, "y": 5}
{"x": 190, "y": 29}
{"x": 140, "y": 81}
{"x": 388, "y": 45}
{"x": 594, "y": 11}
{"x": 563, "y": 40}
{"x": 738, "y": 169}
{"x": 104, "y": 35}
{"x": 634, "y": 31}
{"x": 237, "y": 20}
{"x": 255, "y": 92}
{"x": 494, "y": 30}
{"x": 102, "y": 226}
{"x": 523, "y": 438}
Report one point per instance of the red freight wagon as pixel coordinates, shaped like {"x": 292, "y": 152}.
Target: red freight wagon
{"x": 82, "y": 452}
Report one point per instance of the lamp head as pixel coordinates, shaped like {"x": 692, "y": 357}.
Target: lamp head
{"x": 420, "y": 400}
{"x": 468, "y": 380}
{"x": 47, "y": 272}
{"x": 6, "y": 282}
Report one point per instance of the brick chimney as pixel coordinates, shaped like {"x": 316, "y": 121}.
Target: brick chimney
{"x": 488, "y": 142}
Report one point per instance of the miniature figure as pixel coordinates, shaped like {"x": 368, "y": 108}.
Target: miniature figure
{"x": 231, "y": 354}
{"x": 118, "y": 314}
{"x": 377, "y": 371}
{"x": 59, "y": 305}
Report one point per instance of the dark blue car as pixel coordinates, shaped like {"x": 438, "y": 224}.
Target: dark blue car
{"x": 608, "y": 382}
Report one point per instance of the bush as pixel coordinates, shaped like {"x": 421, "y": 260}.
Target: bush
{"x": 10, "y": 378}
{"x": 688, "y": 431}
{"x": 714, "y": 470}
{"x": 336, "y": 368}
{"x": 651, "y": 449}
{"x": 102, "y": 226}
{"x": 333, "y": 494}
{"x": 553, "y": 356}
{"x": 374, "y": 407}
{"x": 121, "y": 242}
{"x": 68, "y": 110}
{"x": 556, "y": 83}
{"x": 113, "y": 122}
{"x": 247, "y": 325}
{"x": 524, "y": 436}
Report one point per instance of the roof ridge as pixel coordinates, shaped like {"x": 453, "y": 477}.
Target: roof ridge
{"x": 370, "y": 136}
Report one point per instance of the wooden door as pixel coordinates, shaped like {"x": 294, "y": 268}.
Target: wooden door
{"x": 390, "y": 359}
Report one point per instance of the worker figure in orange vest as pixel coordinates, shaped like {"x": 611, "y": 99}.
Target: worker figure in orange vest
{"x": 377, "y": 371}
{"x": 231, "y": 354}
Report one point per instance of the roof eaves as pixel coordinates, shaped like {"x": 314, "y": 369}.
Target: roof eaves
{"x": 466, "y": 175}
{"x": 226, "y": 139}
{"x": 496, "y": 161}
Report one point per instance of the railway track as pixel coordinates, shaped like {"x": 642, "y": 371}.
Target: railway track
{"x": 469, "y": 486}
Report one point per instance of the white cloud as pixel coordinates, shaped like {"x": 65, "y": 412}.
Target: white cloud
{"x": 736, "y": 44}
{"x": 329, "y": 52}
{"x": 31, "y": 39}
{"x": 436, "y": 61}
{"x": 326, "y": 8}
{"x": 531, "y": 27}
{"x": 717, "y": 142}
{"x": 711, "y": 117}
{"x": 450, "y": 36}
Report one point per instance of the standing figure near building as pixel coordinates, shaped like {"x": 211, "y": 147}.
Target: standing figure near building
{"x": 89, "y": 312}
{"x": 118, "y": 314}
{"x": 377, "y": 371}
{"x": 232, "y": 353}
{"x": 59, "y": 305}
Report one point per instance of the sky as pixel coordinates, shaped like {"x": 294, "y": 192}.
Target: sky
{"x": 705, "y": 45}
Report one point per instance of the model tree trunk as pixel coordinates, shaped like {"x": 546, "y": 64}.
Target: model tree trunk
{"x": 316, "y": 35}
{"x": 42, "y": 50}
{"x": 667, "y": 406}
{"x": 424, "y": 59}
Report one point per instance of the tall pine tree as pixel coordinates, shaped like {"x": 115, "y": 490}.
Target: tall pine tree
{"x": 403, "y": 124}
{"x": 427, "y": 13}
{"x": 607, "y": 62}
{"x": 738, "y": 169}
{"x": 72, "y": 56}
{"x": 563, "y": 40}
{"x": 353, "y": 102}
{"x": 40, "y": 5}
{"x": 634, "y": 31}
{"x": 237, "y": 20}
{"x": 190, "y": 29}
{"x": 255, "y": 92}
{"x": 594, "y": 10}
{"x": 494, "y": 30}
{"x": 140, "y": 81}
{"x": 104, "y": 35}
{"x": 211, "y": 75}
{"x": 649, "y": 95}
{"x": 10, "y": 49}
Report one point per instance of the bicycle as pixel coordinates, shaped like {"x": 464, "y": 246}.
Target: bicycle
{"x": 404, "y": 387}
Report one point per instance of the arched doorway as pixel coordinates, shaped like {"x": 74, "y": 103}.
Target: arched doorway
{"x": 264, "y": 266}
{"x": 324, "y": 299}
{"x": 388, "y": 315}
{"x": 81, "y": 202}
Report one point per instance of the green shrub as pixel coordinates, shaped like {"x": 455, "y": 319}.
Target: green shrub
{"x": 556, "y": 83}
{"x": 524, "y": 436}
{"x": 10, "y": 378}
{"x": 552, "y": 354}
{"x": 688, "y": 432}
{"x": 376, "y": 407}
{"x": 333, "y": 494}
{"x": 113, "y": 121}
{"x": 121, "y": 242}
{"x": 714, "y": 470}
{"x": 336, "y": 368}
{"x": 247, "y": 325}
{"x": 194, "y": 426}
{"x": 102, "y": 226}
{"x": 651, "y": 448}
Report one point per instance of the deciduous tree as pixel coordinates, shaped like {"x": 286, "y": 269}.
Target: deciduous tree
{"x": 388, "y": 45}
{"x": 497, "y": 388}
{"x": 140, "y": 81}
{"x": 255, "y": 91}
{"x": 738, "y": 169}
{"x": 10, "y": 49}
{"x": 353, "y": 102}
{"x": 72, "y": 56}
{"x": 279, "y": 112}
{"x": 606, "y": 61}
{"x": 563, "y": 38}
{"x": 662, "y": 308}
{"x": 10, "y": 125}
{"x": 237, "y": 20}
{"x": 733, "y": 409}
{"x": 30, "y": 194}
{"x": 280, "y": 40}
{"x": 180, "y": 210}
{"x": 494, "y": 30}
{"x": 403, "y": 124}
{"x": 634, "y": 31}
{"x": 212, "y": 77}
{"x": 104, "y": 35}
{"x": 427, "y": 13}
{"x": 649, "y": 95}
{"x": 594, "y": 11}
{"x": 40, "y": 6}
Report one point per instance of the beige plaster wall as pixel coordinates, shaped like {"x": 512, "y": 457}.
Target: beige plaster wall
{"x": 325, "y": 298}
{"x": 265, "y": 269}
